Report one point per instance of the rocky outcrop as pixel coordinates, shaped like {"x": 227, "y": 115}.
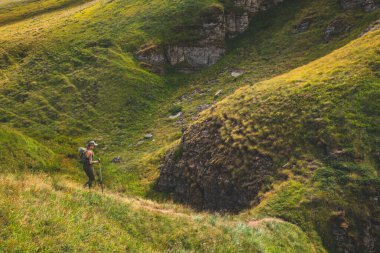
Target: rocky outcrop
{"x": 216, "y": 24}
{"x": 209, "y": 178}
{"x": 303, "y": 25}
{"x": 337, "y": 28}
{"x": 190, "y": 58}
{"x": 366, "y": 5}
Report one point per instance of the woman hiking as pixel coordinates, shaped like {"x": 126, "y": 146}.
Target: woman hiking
{"x": 88, "y": 163}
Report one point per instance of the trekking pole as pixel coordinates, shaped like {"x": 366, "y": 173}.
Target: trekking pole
{"x": 101, "y": 177}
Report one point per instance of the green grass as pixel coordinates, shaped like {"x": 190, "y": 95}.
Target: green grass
{"x": 250, "y": 52}
{"x": 16, "y": 10}
{"x": 67, "y": 220}
{"x": 68, "y": 74}
{"x": 301, "y": 119}
{"x": 20, "y": 153}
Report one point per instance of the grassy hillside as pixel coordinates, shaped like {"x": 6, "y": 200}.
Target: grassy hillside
{"x": 21, "y": 153}
{"x": 68, "y": 74}
{"x": 38, "y": 214}
{"x": 256, "y": 56}
{"x": 15, "y": 10}
{"x": 319, "y": 126}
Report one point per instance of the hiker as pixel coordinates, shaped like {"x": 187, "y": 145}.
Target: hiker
{"x": 88, "y": 162}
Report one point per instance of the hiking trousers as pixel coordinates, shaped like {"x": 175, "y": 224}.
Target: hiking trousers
{"x": 90, "y": 174}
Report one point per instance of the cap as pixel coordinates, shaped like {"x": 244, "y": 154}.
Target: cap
{"x": 92, "y": 143}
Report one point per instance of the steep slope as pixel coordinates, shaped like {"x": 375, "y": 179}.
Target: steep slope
{"x": 19, "y": 152}
{"x": 308, "y": 139}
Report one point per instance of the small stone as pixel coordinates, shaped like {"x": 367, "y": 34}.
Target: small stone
{"x": 175, "y": 116}
{"x": 148, "y": 136}
{"x": 202, "y": 107}
{"x": 116, "y": 159}
{"x": 140, "y": 142}
{"x": 218, "y": 93}
{"x": 237, "y": 73}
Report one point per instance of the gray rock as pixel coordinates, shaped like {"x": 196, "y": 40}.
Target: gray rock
{"x": 194, "y": 57}
{"x": 148, "y": 136}
{"x": 337, "y": 28}
{"x": 200, "y": 108}
{"x": 236, "y": 23}
{"x": 366, "y": 5}
{"x": 153, "y": 58}
{"x": 218, "y": 93}
{"x": 175, "y": 116}
{"x": 303, "y": 25}
{"x": 116, "y": 159}
{"x": 215, "y": 26}
{"x": 140, "y": 142}
{"x": 237, "y": 73}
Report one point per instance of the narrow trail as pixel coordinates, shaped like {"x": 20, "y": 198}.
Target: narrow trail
{"x": 45, "y": 182}
{"x": 145, "y": 204}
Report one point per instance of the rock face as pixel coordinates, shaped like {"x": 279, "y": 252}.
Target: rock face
{"x": 348, "y": 241}
{"x": 216, "y": 25}
{"x": 366, "y": 5}
{"x": 194, "y": 57}
{"x": 337, "y": 27}
{"x": 203, "y": 178}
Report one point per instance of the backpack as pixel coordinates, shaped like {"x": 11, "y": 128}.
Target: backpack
{"x": 82, "y": 154}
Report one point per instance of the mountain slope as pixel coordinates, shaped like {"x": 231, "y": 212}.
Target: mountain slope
{"x": 51, "y": 216}
{"x": 70, "y": 71}
{"x": 313, "y": 133}
{"x": 21, "y": 153}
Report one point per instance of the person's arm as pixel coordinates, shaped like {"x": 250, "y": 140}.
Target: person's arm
{"x": 90, "y": 160}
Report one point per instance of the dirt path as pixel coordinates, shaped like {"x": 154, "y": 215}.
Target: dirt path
{"x": 148, "y": 205}
{"x": 46, "y": 182}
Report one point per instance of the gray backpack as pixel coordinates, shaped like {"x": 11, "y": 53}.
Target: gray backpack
{"x": 82, "y": 155}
